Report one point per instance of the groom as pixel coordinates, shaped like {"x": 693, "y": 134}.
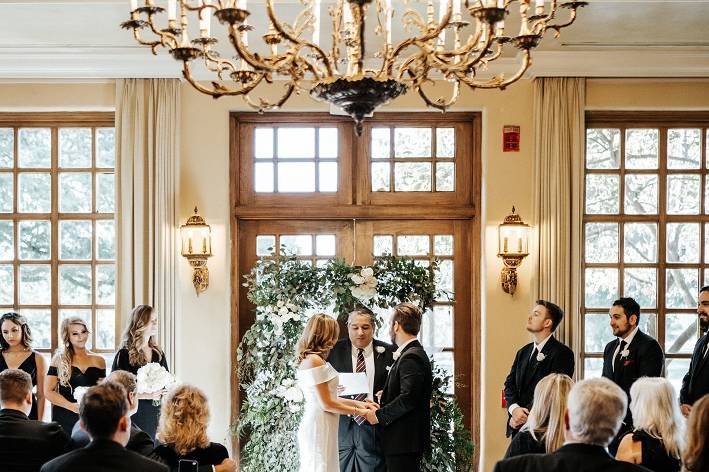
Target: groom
{"x": 405, "y": 417}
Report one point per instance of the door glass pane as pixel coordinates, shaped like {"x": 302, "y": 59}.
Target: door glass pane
{"x": 412, "y": 177}
{"x": 263, "y": 174}
{"x": 380, "y": 143}
{"x": 445, "y": 177}
{"x": 296, "y": 176}
{"x": 412, "y": 142}
{"x": 443, "y": 245}
{"x": 263, "y": 143}
{"x": 265, "y": 245}
{"x": 411, "y": 245}
{"x": 325, "y": 245}
{"x": 296, "y": 143}
{"x": 299, "y": 244}
{"x": 444, "y": 281}
{"x": 380, "y": 176}
{"x": 327, "y": 142}
{"x": 445, "y": 142}
{"x": 327, "y": 178}
{"x": 383, "y": 244}
{"x": 445, "y": 361}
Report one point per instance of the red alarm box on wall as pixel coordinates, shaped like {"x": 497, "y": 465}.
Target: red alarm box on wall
{"x": 510, "y": 138}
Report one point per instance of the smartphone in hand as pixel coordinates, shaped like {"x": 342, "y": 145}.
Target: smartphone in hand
{"x": 187, "y": 465}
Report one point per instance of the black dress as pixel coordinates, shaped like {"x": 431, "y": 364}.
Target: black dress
{"x": 146, "y": 418}
{"x": 524, "y": 443}
{"x": 654, "y": 454}
{"x": 29, "y": 365}
{"x": 88, "y": 378}
{"x": 213, "y": 454}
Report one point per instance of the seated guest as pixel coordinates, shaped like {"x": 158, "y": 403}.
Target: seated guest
{"x": 104, "y": 415}
{"x": 139, "y": 441}
{"x": 25, "y": 444}
{"x": 696, "y": 454}
{"x": 544, "y": 429}
{"x": 658, "y": 438}
{"x": 594, "y": 412}
{"x": 182, "y": 430}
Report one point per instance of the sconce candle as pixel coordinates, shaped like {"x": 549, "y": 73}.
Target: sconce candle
{"x": 512, "y": 228}
{"x": 194, "y": 230}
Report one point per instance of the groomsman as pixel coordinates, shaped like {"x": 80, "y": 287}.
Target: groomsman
{"x": 696, "y": 383}
{"x": 632, "y": 355}
{"x": 405, "y": 414}
{"x": 544, "y": 356}
{"x": 358, "y": 443}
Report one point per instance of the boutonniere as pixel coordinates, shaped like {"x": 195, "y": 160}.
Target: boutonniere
{"x": 380, "y": 349}
{"x": 624, "y": 353}
{"x": 541, "y": 357}
{"x": 388, "y": 368}
{"x": 396, "y": 355}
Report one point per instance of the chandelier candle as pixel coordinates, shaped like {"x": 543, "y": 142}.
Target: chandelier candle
{"x": 340, "y": 68}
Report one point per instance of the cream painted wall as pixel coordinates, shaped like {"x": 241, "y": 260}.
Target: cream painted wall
{"x": 507, "y": 180}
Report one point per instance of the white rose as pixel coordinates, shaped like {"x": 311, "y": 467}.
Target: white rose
{"x": 280, "y": 303}
{"x": 367, "y": 272}
{"x": 293, "y": 394}
{"x": 380, "y": 349}
{"x": 79, "y": 392}
{"x": 359, "y": 280}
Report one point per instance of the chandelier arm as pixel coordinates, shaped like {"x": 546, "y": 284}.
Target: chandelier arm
{"x": 221, "y": 90}
{"x": 145, "y": 42}
{"x": 499, "y": 81}
{"x": 266, "y": 105}
{"x": 282, "y": 31}
{"x": 557, "y": 28}
{"x": 440, "y": 104}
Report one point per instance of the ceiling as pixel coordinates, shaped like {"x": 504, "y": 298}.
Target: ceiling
{"x": 82, "y": 39}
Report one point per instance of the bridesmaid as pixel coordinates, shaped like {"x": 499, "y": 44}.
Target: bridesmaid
{"x": 138, "y": 348}
{"x": 17, "y": 353}
{"x": 72, "y": 366}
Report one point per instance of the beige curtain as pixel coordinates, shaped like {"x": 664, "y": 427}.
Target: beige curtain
{"x": 147, "y": 141}
{"x": 558, "y": 195}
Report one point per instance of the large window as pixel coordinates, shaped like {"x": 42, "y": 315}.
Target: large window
{"x": 57, "y": 231}
{"x": 646, "y": 229}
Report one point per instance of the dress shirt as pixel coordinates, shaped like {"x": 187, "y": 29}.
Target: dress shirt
{"x": 628, "y": 339}
{"x": 539, "y": 348}
{"x": 368, "y": 363}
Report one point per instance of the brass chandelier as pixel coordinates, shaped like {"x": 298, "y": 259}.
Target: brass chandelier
{"x": 295, "y": 53}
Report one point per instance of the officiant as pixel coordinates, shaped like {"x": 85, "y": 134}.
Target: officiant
{"x": 361, "y": 353}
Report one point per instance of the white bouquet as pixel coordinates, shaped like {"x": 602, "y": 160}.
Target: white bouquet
{"x": 79, "y": 392}
{"x": 291, "y": 393}
{"x": 365, "y": 284}
{"x": 153, "y": 378}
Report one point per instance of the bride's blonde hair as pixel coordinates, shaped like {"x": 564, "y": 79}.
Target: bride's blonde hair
{"x": 319, "y": 336}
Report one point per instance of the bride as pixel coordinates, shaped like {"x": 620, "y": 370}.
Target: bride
{"x": 317, "y": 434}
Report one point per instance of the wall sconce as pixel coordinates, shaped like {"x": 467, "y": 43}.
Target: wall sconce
{"x": 512, "y": 248}
{"x": 197, "y": 248}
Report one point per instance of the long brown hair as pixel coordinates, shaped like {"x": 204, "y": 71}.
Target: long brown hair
{"x": 64, "y": 357}
{"x": 184, "y": 417}
{"x": 20, "y": 321}
{"x": 696, "y": 453}
{"x": 319, "y": 336}
{"x": 134, "y": 336}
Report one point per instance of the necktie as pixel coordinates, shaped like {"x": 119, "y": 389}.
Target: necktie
{"x": 361, "y": 367}
{"x": 619, "y": 357}
{"x": 535, "y": 353}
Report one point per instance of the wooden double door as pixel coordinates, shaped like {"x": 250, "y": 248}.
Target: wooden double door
{"x": 449, "y": 329}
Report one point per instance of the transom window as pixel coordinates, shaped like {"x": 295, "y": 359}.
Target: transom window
{"x": 646, "y": 232}
{"x": 57, "y": 230}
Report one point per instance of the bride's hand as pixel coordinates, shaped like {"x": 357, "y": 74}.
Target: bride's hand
{"x": 370, "y": 405}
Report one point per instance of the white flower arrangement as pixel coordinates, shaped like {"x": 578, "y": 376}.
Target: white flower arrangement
{"x": 153, "y": 378}
{"x": 291, "y": 393}
{"x": 365, "y": 284}
{"x": 79, "y": 393}
{"x": 280, "y": 314}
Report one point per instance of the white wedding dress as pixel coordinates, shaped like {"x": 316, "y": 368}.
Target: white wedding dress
{"x": 317, "y": 434}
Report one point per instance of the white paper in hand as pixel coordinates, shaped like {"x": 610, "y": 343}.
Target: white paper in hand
{"x": 354, "y": 383}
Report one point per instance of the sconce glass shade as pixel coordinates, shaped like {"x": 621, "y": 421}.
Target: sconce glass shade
{"x": 513, "y": 237}
{"x": 196, "y": 237}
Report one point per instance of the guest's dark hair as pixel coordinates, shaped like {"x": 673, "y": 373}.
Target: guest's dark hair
{"x": 408, "y": 316}
{"x": 101, "y": 408}
{"x": 630, "y": 307}
{"x": 15, "y": 385}
{"x": 20, "y": 321}
{"x": 696, "y": 453}
{"x": 556, "y": 314}
{"x": 704, "y": 289}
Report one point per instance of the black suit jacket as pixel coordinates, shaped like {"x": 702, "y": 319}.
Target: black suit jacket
{"x": 645, "y": 359}
{"x": 102, "y": 455}
{"x": 26, "y": 444}
{"x": 526, "y": 372}
{"x": 568, "y": 458}
{"x": 341, "y": 359}
{"x": 695, "y": 383}
{"x": 139, "y": 441}
{"x": 405, "y": 413}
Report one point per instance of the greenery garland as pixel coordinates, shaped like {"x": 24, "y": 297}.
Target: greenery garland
{"x": 286, "y": 292}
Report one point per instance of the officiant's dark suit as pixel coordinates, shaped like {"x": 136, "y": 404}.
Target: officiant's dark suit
{"x": 695, "y": 383}
{"x": 358, "y": 443}
{"x": 644, "y": 355}
{"x": 529, "y": 367}
{"x": 404, "y": 418}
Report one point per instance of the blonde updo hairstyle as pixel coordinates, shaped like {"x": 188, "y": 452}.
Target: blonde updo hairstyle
{"x": 64, "y": 357}
{"x": 319, "y": 336}
{"x": 134, "y": 336}
{"x": 184, "y": 417}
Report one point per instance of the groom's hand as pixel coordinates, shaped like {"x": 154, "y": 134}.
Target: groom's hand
{"x": 372, "y": 417}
